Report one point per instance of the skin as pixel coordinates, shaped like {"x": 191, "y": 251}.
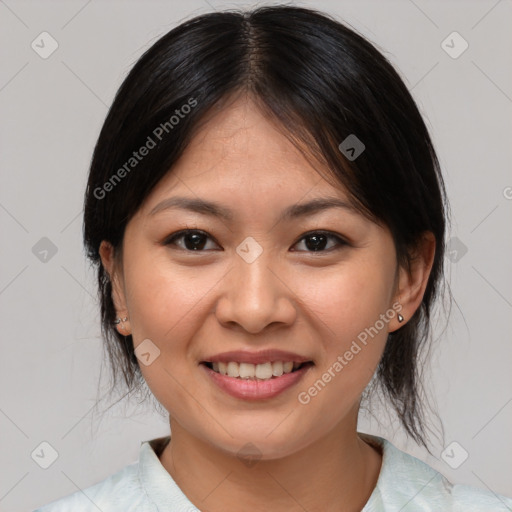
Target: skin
{"x": 192, "y": 304}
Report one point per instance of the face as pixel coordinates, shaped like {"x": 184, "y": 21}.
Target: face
{"x": 246, "y": 292}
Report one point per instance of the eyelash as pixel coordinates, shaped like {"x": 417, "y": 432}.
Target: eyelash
{"x": 180, "y": 234}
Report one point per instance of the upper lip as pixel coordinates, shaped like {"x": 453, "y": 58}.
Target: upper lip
{"x": 262, "y": 356}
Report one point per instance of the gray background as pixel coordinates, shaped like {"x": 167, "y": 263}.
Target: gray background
{"x": 51, "y": 113}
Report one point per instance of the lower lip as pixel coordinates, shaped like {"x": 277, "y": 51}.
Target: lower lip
{"x": 249, "y": 389}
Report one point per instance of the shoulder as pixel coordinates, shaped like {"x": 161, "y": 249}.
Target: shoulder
{"x": 120, "y": 492}
{"x": 144, "y": 486}
{"x": 408, "y": 484}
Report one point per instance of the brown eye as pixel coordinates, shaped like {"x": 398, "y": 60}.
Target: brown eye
{"x": 318, "y": 240}
{"x": 196, "y": 240}
{"x": 192, "y": 240}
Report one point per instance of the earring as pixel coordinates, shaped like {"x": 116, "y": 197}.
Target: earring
{"x": 400, "y": 318}
{"x": 121, "y": 329}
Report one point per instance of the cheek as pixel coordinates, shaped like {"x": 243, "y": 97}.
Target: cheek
{"x": 349, "y": 299}
{"x": 164, "y": 304}
{"x": 347, "y": 307}
{"x": 163, "y": 299}
{"x": 168, "y": 305}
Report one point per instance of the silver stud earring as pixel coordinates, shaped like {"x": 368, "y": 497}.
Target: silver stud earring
{"x": 119, "y": 320}
{"x": 400, "y": 318}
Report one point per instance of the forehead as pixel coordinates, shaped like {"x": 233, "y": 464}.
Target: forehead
{"x": 237, "y": 153}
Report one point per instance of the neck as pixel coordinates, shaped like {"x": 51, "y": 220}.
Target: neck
{"x": 336, "y": 473}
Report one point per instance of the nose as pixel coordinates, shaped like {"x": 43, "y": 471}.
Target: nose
{"x": 256, "y": 295}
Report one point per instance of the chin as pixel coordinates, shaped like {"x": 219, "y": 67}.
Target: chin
{"x": 262, "y": 441}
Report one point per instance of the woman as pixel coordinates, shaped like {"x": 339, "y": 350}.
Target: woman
{"x": 267, "y": 216}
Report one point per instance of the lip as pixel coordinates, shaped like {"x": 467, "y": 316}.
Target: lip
{"x": 260, "y": 357}
{"x": 248, "y": 389}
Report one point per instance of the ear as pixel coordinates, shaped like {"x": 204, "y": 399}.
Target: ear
{"x": 114, "y": 270}
{"x": 412, "y": 282}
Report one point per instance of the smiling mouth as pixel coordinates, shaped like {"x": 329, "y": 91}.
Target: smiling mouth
{"x": 249, "y": 371}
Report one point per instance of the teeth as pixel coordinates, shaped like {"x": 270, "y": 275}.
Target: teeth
{"x": 264, "y": 371}
{"x": 246, "y": 370}
{"x": 233, "y": 370}
{"x": 277, "y": 369}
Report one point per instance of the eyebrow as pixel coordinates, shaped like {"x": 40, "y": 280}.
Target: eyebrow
{"x": 213, "y": 209}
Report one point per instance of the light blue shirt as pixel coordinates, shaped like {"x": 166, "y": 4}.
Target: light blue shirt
{"x": 405, "y": 484}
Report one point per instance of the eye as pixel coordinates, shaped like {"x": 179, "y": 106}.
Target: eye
{"x": 196, "y": 240}
{"x": 317, "y": 240}
{"x": 193, "y": 239}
